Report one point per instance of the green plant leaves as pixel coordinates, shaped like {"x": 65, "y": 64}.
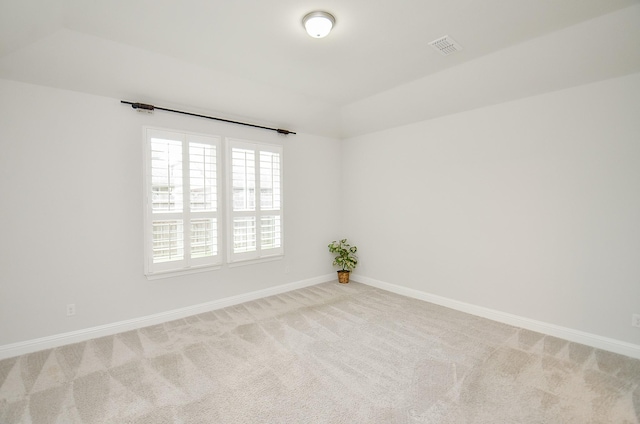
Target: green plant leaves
{"x": 346, "y": 258}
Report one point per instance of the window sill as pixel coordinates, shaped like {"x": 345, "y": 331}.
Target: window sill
{"x": 255, "y": 261}
{"x": 180, "y": 272}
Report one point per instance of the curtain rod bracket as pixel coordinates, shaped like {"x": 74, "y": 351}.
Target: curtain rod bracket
{"x": 143, "y": 107}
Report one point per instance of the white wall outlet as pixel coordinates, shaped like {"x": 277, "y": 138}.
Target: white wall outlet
{"x": 287, "y": 269}
{"x": 71, "y": 309}
{"x": 635, "y": 320}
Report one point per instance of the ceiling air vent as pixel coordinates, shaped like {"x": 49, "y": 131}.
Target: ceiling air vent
{"x": 445, "y": 45}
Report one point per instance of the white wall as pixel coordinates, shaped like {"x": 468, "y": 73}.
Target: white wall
{"x": 71, "y": 214}
{"x": 530, "y": 207}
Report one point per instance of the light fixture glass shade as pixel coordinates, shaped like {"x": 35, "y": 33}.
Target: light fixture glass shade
{"x": 318, "y": 24}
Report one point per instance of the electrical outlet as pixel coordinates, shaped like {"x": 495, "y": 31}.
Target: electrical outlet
{"x": 635, "y": 320}
{"x": 71, "y": 309}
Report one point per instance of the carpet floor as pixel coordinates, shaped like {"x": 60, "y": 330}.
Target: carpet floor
{"x": 329, "y": 353}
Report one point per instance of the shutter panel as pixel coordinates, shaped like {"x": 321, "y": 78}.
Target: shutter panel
{"x": 166, "y": 175}
{"x": 269, "y": 181}
{"x": 243, "y": 179}
{"x": 204, "y": 237}
{"x": 203, "y": 201}
{"x": 270, "y": 232}
{"x": 244, "y": 234}
{"x": 168, "y": 240}
{"x": 203, "y": 178}
{"x": 243, "y": 186}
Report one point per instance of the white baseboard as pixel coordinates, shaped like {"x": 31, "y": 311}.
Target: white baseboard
{"x": 29, "y": 346}
{"x": 599, "y": 342}
{"x": 604, "y": 343}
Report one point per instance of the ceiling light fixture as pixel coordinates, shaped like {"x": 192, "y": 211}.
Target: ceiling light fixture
{"x": 318, "y": 24}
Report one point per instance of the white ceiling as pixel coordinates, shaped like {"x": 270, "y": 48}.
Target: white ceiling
{"x": 252, "y": 58}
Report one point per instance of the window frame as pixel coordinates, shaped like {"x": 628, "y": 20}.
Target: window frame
{"x": 224, "y": 213}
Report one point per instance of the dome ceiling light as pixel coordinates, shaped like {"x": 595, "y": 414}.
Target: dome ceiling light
{"x": 318, "y": 24}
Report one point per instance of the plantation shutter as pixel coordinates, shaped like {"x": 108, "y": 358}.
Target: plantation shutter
{"x": 182, "y": 201}
{"x": 255, "y": 201}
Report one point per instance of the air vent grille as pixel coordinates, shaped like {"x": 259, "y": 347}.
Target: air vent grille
{"x": 445, "y": 45}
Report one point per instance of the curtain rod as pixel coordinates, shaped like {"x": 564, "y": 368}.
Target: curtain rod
{"x": 151, "y": 108}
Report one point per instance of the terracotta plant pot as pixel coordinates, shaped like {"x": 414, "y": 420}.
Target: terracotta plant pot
{"x": 343, "y": 277}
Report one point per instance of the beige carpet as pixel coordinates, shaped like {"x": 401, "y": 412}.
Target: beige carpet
{"x": 326, "y": 354}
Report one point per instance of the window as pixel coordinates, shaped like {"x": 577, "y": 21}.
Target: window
{"x": 182, "y": 223}
{"x": 255, "y": 191}
{"x": 185, "y": 228}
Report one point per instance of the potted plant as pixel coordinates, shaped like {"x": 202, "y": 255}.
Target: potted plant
{"x": 345, "y": 258}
